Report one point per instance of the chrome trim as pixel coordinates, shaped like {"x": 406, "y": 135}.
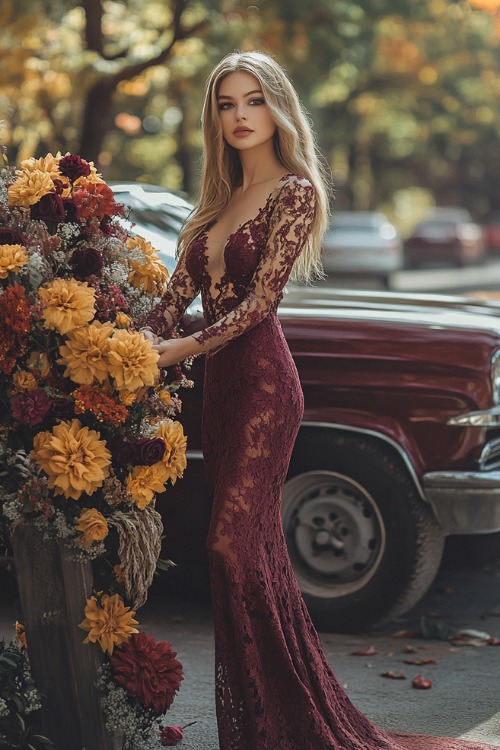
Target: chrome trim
{"x": 379, "y": 436}
{"x": 490, "y": 455}
{"x": 196, "y": 455}
{"x": 465, "y": 502}
{"x": 481, "y": 418}
{"x": 494, "y": 364}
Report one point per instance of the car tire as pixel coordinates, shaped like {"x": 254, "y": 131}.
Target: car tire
{"x": 364, "y": 545}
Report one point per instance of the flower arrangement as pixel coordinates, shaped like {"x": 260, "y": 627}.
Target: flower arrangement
{"x": 89, "y": 433}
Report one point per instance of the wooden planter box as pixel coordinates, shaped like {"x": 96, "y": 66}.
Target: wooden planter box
{"x": 53, "y": 590}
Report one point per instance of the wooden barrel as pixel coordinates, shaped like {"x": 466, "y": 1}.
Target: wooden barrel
{"x": 52, "y": 591}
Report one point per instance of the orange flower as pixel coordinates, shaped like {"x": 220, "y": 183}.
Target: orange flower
{"x": 85, "y": 353}
{"x": 148, "y": 272}
{"x": 12, "y": 258}
{"x": 104, "y": 407}
{"x": 132, "y": 360}
{"x": 67, "y": 304}
{"x": 144, "y": 482}
{"x": 93, "y": 527}
{"x": 24, "y": 380}
{"x": 73, "y": 457}
{"x": 108, "y": 621}
{"x": 175, "y": 450}
{"x": 29, "y": 188}
{"x": 21, "y": 635}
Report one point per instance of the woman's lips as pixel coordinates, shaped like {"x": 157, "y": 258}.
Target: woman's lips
{"x": 242, "y": 132}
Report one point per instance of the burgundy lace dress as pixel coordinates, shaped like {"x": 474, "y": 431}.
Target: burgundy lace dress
{"x": 274, "y": 687}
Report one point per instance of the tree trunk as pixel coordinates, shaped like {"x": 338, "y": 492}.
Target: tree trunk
{"x": 97, "y": 119}
{"x": 53, "y": 590}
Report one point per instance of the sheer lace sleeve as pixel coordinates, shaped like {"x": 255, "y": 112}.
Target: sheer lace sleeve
{"x": 181, "y": 291}
{"x": 290, "y": 224}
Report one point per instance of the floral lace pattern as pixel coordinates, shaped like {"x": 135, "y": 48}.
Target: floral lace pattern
{"x": 274, "y": 687}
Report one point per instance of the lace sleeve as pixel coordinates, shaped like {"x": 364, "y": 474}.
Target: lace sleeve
{"x": 181, "y": 291}
{"x": 290, "y": 223}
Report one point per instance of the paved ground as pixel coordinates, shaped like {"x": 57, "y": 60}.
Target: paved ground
{"x": 463, "y": 702}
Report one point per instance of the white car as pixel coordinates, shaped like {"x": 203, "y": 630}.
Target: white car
{"x": 362, "y": 242}
{"x": 156, "y": 213}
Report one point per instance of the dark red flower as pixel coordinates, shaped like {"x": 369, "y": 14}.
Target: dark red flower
{"x": 30, "y": 407}
{"x": 149, "y": 451}
{"x": 49, "y": 209}
{"x": 74, "y": 166}
{"x": 86, "y": 261}
{"x": 15, "y": 313}
{"x": 122, "y": 451}
{"x": 148, "y": 670}
{"x": 170, "y": 736}
{"x": 12, "y": 237}
{"x": 70, "y": 210}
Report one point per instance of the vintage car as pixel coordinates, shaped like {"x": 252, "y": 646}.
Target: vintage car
{"x": 399, "y": 447}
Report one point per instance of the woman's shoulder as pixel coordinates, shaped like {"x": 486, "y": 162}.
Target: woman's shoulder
{"x": 293, "y": 191}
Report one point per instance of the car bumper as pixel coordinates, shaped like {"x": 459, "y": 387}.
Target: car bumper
{"x": 465, "y": 502}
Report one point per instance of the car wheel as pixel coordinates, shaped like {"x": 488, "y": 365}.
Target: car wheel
{"x": 364, "y": 546}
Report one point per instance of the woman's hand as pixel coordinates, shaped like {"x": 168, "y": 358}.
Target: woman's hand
{"x": 173, "y": 351}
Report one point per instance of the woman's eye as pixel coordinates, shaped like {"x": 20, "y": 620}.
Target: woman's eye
{"x": 257, "y": 101}
{"x": 225, "y": 105}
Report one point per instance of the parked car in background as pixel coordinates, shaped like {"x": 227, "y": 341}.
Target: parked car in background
{"x": 362, "y": 242}
{"x": 447, "y": 236}
{"x": 491, "y": 230}
{"x": 399, "y": 447}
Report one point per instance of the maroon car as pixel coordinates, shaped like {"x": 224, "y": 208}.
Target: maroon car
{"x": 447, "y": 236}
{"x": 399, "y": 447}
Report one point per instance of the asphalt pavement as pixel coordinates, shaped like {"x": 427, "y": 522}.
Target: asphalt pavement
{"x": 464, "y": 700}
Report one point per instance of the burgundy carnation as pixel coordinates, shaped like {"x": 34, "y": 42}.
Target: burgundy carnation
{"x": 170, "y": 736}
{"x": 122, "y": 451}
{"x": 31, "y": 407}
{"x": 149, "y": 451}
{"x": 86, "y": 261}
{"x": 49, "y": 209}
{"x": 11, "y": 237}
{"x": 148, "y": 670}
{"x": 74, "y": 166}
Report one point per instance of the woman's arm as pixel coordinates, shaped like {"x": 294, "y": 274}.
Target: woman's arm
{"x": 181, "y": 291}
{"x": 290, "y": 225}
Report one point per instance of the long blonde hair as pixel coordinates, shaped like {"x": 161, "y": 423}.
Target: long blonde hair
{"x": 294, "y": 146}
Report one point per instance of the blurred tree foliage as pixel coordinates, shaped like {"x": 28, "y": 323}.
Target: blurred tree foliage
{"x": 404, "y": 94}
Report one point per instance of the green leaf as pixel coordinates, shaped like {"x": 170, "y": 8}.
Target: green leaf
{"x": 165, "y": 564}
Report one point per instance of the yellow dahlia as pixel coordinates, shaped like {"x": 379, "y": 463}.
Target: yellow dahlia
{"x": 108, "y": 621}
{"x": 29, "y": 187}
{"x": 132, "y": 360}
{"x": 122, "y": 320}
{"x": 93, "y": 527}
{"x": 144, "y": 482}
{"x": 165, "y": 397}
{"x": 24, "y": 380}
{"x": 68, "y": 304}
{"x": 148, "y": 273}
{"x": 73, "y": 457}
{"x": 12, "y": 258}
{"x": 94, "y": 176}
{"x": 47, "y": 164}
{"x": 175, "y": 448}
{"x": 85, "y": 353}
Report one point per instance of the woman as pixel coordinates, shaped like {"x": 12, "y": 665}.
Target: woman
{"x": 262, "y": 211}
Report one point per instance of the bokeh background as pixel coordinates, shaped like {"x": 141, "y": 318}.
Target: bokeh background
{"x": 404, "y": 94}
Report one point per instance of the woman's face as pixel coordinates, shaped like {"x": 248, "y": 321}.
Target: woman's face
{"x": 244, "y": 115}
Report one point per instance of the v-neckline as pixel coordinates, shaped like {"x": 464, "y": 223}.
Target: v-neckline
{"x": 240, "y": 226}
{"x": 219, "y": 283}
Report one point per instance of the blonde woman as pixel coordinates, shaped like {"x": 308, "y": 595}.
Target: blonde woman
{"x": 262, "y": 211}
